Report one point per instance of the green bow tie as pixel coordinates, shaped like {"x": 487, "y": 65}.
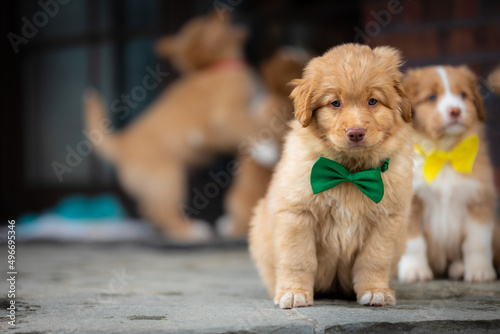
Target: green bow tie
{"x": 326, "y": 174}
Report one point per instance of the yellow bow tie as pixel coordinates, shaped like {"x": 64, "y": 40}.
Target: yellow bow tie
{"x": 461, "y": 158}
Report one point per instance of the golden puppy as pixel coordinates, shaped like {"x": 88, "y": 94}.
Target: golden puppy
{"x": 202, "y": 114}
{"x": 204, "y": 42}
{"x": 259, "y": 155}
{"x": 453, "y": 211}
{"x": 350, "y": 108}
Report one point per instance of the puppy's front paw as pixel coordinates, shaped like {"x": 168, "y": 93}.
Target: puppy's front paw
{"x": 193, "y": 231}
{"x": 201, "y": 231}
{"x": 415, "y": 273}
{"x": 228, "y": 228}
{"x": 480, "y": 272}
{"x": 377, "y": 297}
{"x": 291, "y": 299}
{"x": 224, "y": 226}
{"x": 414, "y": 269}
{"x": 456, "y": 270}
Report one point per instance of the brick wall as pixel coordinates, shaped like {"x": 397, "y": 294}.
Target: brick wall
{"x": 430, "y": 32}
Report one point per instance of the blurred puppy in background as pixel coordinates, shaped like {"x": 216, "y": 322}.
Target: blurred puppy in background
{"x": 203, "y": 113}
{"x": 453, "y": 211}
{"x": 319, "y": 229}
{"x": 257, "y": 158}
{"x": 494, "y": 82}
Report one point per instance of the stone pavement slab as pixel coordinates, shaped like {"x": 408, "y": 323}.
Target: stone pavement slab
{"x": 119, "y": 288}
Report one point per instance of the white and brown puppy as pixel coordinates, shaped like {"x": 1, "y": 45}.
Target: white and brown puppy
{"x": 350, "y": 108}
{"x": 453, "y": 211}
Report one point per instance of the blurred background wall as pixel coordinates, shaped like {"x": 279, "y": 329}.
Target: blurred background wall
{"x": 109, "y": 45}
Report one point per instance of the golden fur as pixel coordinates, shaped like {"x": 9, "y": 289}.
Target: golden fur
{"x": 339, "y": 240}
{"x": 203, "y": 113}
{"x": 271, "y": 117}
{"x": 201, "y": 42}
{"x": 452, "y": 218}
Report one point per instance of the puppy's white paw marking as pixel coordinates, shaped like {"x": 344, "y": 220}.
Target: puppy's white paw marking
{"x": 456, "y": 270}
{"x": 478, "y": 254}
{"x": 378, "y": 298}
{"x": 286, "y": 300}
{"x": 480, "y": 272}
{"x": 292, "y": 300}
{"x": 201, "y": 231}
{"x": 415, "y": 273}
{"x": 224, "y": 225}
{"x": 413, "y": 265}
{"x": 365, "y": 300}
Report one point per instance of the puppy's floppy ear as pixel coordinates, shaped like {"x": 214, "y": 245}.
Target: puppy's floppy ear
{"x": 391, "y": 57}
{"x": 301, "y": 95}
{"x": 391, "y": 61}
{"x": 478, "y": 103}
{"x": 404, "y": 106}
{"x": 477, "y": 99}
{"x": 165, "y": 47}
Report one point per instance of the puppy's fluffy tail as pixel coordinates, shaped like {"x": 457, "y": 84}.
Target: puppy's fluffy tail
{"x": 98, "y": 125}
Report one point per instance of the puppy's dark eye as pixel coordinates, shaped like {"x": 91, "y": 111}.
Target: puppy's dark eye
{"x": 432, "y": 98}
{"x": 463, "y": 95}
{"x": 336, "y": 104}
{"x": 372, "y": 102}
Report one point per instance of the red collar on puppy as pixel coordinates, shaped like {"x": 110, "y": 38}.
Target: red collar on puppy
{"x": 230, "y": 64}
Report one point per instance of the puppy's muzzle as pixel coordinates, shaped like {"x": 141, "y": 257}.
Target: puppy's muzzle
{"x": 356, "y": 135}
{"x": 454, "y": 113}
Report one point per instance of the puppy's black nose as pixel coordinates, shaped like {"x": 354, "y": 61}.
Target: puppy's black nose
{"x": 356, "y": 134}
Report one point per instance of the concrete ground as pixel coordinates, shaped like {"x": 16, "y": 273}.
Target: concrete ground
{"x": 91, "y": 288}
